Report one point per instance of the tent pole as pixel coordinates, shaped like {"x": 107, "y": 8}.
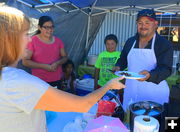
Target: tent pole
{"x": 170, "y": 25}
{"x": 104, "y": 12}
{"x": 60, "y": 8}
{"x": 43, "y": 5}
{"x": 121, "y": 12}
{"x": 164, "y": 11}
{"x": 25, "y": 3}
{"x": 166, "y": 6}
{"x": 88, "y": 28}
{"x": 125, "y": 7}
{"x": 79, "y": 9}
{"x": 87, "y": 35}
{"x": 139, "y": 7}
{"x": 99, "y": 8}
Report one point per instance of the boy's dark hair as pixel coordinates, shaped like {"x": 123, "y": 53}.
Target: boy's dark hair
{"x": 111, "y": 37}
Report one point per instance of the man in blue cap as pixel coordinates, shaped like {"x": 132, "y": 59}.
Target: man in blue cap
{"x": 149, "y": 54}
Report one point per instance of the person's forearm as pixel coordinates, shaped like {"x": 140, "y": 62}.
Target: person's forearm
{"x": 62, "y": 60}
{"x": 60, "y": 101}
{"x": 32, "y": 64}
{"x": 159, "y": 74}
{"x": 95, "y": 96}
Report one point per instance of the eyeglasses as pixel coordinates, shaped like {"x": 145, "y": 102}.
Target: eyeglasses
{"x": 48, "y": 27}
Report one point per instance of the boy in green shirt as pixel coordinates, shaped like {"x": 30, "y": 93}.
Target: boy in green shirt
{"x": 106, "y": 60}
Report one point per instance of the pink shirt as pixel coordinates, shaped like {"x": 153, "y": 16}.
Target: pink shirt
{"x": 46, "y": 54}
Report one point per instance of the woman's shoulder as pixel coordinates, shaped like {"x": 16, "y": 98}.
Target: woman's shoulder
{"x": 58, "y": 40}
{"x": 21, "y": 83}
{"x": 34, "y": 39}
{"x": 20, "y": 78}
{"x": 19, "y": 75}
{"x": 13, "y": 77}
{"x": 10, "y": 73}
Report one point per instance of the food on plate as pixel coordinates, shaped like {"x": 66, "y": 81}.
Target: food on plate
{"x": 129, "y": 75}
{"x": 125, "y": 73}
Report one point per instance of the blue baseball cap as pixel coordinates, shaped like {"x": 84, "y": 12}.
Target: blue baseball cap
{"x": 147, "y": 13}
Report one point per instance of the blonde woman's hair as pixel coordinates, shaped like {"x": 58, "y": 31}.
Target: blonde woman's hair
{"x": 13, "y": 23}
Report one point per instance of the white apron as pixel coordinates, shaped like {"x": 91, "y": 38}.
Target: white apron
{"x": 138, "y": 60}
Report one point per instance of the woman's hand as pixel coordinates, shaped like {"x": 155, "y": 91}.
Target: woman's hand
{"x": 54, "y": 66}
{"x": 115, "y": 84}
{"x": 48, "y": 68}
{"x": 51, "y": 68}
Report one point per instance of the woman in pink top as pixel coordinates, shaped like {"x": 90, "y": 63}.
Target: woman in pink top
{"x": 46, "y": 53}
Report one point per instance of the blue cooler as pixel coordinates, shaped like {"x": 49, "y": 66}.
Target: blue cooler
{"x": 84, "y": 86}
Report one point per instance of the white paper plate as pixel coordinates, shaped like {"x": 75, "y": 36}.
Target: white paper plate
{"x": 133, "y": 75}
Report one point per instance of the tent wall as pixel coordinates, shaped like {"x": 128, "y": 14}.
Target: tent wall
{"x": 123, "y": 26}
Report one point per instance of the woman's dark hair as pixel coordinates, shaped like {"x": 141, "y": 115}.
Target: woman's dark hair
{"x": 111, "y": 37}
{"x": 42, "y": 20}
{"x": 65, "y": 65}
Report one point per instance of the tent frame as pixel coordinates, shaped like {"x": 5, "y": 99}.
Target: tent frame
{"x": 102, "y": 11}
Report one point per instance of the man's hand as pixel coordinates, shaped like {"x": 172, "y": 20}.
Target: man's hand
{"x": 146, "y": 73}
{"x": 116, "y": 68}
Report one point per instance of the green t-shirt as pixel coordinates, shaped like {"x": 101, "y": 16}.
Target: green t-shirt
{"x": 106, "y": 60}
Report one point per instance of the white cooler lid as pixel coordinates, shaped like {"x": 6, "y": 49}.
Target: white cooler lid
{"x": 85, "y": 84}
